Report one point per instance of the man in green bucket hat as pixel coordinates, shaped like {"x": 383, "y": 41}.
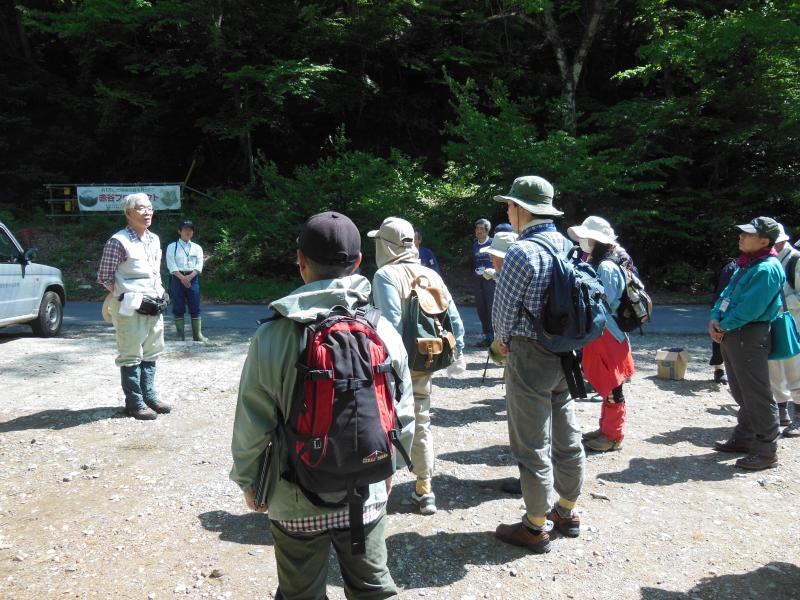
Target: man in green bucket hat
{"x": 541, "y": 412}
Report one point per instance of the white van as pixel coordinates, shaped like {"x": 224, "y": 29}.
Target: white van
{"x": 29, "y": 292}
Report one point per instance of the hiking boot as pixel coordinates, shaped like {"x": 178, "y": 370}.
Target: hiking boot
{"x": 602, "y": 444}
{"x": 733, "y": 446}
{"x": 161, "y": 408}
{"x": 512, "y": 486}
{"x": 426, "y": 503}
{"x": 793, "y": 430}
{"x": 142, "y": 413}
{"x": 757, "y": 462}
{"x": 719, "y": 376}
{"x": 518, "y": 534}
{"x": 591, "y": 435}
{"x": 783, "y": 415}
{"x": 567, "y": 526}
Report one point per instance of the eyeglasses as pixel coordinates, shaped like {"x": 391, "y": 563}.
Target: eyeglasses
{"x": 143, "y": 209}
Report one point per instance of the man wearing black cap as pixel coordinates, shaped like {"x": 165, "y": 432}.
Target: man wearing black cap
{"x": 185, "y": 263}
{"x": 329, "y": 252}
{"x": 740, "y": 323}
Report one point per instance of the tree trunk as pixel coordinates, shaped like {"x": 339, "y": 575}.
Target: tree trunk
{"x": 571, "y": 69}
{"x": 23, "y": 37}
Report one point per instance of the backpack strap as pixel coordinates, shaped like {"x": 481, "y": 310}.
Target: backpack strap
{"x": 790, "y": 269}
{"x": 542, "y": 241}
{"x": 571, "y": 366}
{"x": 273, "y": 317}
{"x": 356, "y": 496}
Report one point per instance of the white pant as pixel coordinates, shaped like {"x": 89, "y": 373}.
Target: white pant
{"x": 422, "y": 455}
{"x": 784, "y": 379}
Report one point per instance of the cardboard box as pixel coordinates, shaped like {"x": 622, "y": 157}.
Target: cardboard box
{"x": 672, "y": 362}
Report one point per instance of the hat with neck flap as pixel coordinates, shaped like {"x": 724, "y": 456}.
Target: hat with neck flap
{"x": 394, "y": 242}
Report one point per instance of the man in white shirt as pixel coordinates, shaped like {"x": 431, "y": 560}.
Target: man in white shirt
{"x": 185, "y": 263}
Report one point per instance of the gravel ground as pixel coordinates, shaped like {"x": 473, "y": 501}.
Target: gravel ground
{"x": 96, "y": 505}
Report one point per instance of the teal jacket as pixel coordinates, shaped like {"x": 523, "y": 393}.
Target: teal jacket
{"x": 268, "y": 383}
{"x": 752, "y": 295}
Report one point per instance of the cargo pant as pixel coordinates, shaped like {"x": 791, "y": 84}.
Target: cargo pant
{"x": 139, "y": 337}
{"x": 745, "y": 352}
{"x": 302, "y": 561}
{"x": 542, "y": 430}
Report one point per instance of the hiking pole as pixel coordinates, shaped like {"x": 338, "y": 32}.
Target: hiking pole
{"x": 486, "y": 366}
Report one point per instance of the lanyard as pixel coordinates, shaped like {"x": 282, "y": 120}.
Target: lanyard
{"x": 185, "y": 251}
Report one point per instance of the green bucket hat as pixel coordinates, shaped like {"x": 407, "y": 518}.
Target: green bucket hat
{"x": 534, "y": 194}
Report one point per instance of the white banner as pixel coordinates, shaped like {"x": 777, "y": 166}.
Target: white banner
{"x": 109, "y": 198}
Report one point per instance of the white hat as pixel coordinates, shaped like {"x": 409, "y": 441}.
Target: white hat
{"x": 501, "y": 242}
{"x": 782, "y": 237}
{"x": 593, "y": 228}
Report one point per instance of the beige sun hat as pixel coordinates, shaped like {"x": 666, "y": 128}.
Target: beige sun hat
{"x": 501, "y": 242}
{"x": 106, "y": 309}
{"x": 534, "y": 194}
{"x": 593, "y": 228}
{"x": 395, "y": 230}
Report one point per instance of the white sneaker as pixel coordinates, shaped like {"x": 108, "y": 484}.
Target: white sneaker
{"x": 426, "y": 504}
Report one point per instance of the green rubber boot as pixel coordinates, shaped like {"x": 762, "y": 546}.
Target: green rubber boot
{"x": 179, "y": 328}
{"x": 197, "y": 330}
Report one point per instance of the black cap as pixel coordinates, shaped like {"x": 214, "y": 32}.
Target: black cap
{"x": 330, "y": 238}
{"x": 763, "y": 226}
{"x": 188, "y": 224}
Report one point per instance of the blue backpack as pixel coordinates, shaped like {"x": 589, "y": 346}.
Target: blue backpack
{"x": 574, "y": 306}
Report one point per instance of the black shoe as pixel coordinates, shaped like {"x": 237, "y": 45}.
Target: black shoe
{"x": 719, "y": 376}
{"x": 512, "y": 486}
{"x": 483, "y": 343}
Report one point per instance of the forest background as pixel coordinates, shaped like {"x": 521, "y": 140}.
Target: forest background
{"x": 674, "y": 119}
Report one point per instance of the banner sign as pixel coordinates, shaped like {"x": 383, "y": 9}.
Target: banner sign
{"x": 109, "y": 198}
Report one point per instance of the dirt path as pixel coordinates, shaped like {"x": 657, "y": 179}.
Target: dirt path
{"x": 96, "y": 505}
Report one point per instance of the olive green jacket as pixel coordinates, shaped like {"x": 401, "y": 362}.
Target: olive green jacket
{"x": 268, "y": 385}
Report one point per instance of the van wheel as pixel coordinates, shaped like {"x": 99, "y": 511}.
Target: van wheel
{"x": 51, "y": 313}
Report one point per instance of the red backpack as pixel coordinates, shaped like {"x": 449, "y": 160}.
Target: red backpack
{"x": 342, "y": 428}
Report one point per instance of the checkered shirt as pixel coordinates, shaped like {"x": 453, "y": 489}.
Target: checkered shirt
{"x": 524, "y": 279}
{"x": 114, "y": 254}
{"x": 334, "y": 520}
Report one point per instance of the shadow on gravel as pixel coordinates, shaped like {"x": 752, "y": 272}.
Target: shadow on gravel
{"x": 675, "y": 469}
{"x": 480, "y": 411}
{"x": 452, "y": 493}
{"x": 250, "y": 528}
{"x": 449, "y": 553}
{"x": 776, "y": 581}
{"x": 685, "y": 387}
{"x": 466, "y": 382}
{"x": 10, "y": 336}
{"x": 491, "y": 456}
{"x": 725, "y": 410}
{"x": 703, "y": 437}
{"x": 62, "y": 418}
